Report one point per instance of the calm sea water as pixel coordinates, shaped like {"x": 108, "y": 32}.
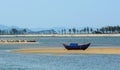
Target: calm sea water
{"x": 58, "y": 41}
{"x": 18, "y": 61}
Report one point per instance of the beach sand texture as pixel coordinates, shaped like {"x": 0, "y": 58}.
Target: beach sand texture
{"x": 64, "y": 51}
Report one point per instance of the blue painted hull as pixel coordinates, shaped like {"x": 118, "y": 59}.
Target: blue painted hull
{"x": 76, "y": 47}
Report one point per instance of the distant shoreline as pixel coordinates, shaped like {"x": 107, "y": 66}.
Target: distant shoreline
{"x": 61, "y": 35}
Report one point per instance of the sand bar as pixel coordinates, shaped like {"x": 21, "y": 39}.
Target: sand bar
{"x": 64, "y": 51}
{"x": 60, "y": 35}
{"x": 19, "y": 43}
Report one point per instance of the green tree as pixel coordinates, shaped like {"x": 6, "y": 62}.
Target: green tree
{"x": 77, "y": 31}
{"x": 14, "y": 30}
{"x": 64, "y": 31}
{"x": 84, "y": 30}
{"x": 91, "y": 30}
{"x": 0, "y": 31}
{"x": 74, "y": 30}
{"x": 102, "y": 30}
{"x": 87, "y": 28}
{"x": 70, "y": 31}
{"x": 24, "y": 31}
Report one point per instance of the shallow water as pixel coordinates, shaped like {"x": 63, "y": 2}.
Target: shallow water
{"x": 58, "y": 41}
{"x": 18, "y": 61}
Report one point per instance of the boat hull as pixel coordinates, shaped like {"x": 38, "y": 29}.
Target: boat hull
{"x": 79, "y": 47}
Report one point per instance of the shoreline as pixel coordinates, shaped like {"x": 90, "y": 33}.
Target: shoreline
{"x": 64, "y": 51}
{"x": 61, "y": 35}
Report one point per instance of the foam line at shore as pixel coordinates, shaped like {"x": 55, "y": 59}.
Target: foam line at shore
{"x": 64, "y": 51}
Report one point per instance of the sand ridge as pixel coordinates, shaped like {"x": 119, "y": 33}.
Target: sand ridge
{"x": 65, "y": 51}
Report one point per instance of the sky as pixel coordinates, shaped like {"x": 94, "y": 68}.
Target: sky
{"x": 59, "y": 13}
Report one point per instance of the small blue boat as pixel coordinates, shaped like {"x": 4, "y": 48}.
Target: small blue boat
{"x": 75, "y": 46}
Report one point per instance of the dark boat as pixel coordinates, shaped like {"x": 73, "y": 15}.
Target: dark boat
{"x": 75, "y": 46}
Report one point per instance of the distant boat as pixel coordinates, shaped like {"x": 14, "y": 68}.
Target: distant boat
{"x": 75, "y": 46}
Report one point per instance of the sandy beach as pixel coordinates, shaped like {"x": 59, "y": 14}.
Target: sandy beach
{"x": 64, "y": 51}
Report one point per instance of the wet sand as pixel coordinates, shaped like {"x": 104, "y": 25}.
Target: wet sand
{"x": 64, "y": 51}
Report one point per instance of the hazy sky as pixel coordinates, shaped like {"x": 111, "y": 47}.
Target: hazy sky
{"x": 59, "y": 13}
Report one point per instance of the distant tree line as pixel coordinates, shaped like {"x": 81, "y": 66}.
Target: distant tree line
{"x": 109, "y": 29}
{"x": 76, "y": 31}
{"x": 85, "y": 30}
{"x": 13, "y": 31}
{"x": 89, "y": 30}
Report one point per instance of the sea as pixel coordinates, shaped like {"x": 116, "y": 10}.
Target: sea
{"x": 21, "y": 61}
